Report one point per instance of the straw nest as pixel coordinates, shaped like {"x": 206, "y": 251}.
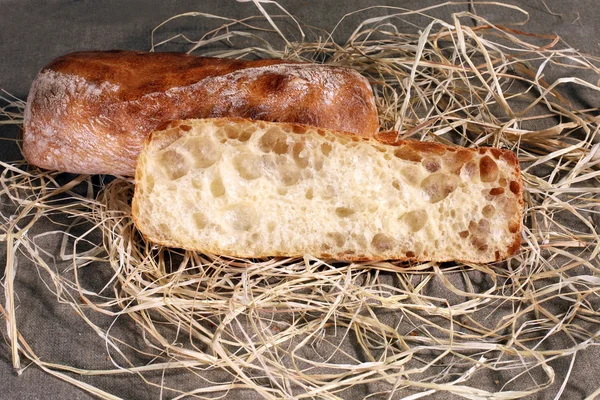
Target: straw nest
{"x": 309, "y": 328}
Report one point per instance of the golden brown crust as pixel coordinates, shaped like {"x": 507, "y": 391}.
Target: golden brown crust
{"x": 89, "y": 112}
{"x": 517, "y": 188}
{"x": 141, "y": 73}
{"x": 327, "y": 256}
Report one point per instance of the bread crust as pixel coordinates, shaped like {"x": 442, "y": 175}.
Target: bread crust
{"x": 462, "y": 155}
{"x": 90, "y": 112}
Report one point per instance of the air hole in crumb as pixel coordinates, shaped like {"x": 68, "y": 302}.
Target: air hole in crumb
{"x": 328, "y": 192}
{"x": 217, "y": 188}
{"x": 197, "y": 183}
{"x": 514, "y": 187}
{"x": 300, "y": 155}
{"x": 497, "y": 191}
{"x": 513, "y": 227}
{"x": 247, "y": 165}
{"x": 470, "y": 169}
{"x": 299, "y": 129}
{"x": 432, "y": 165}
{"x": 480, "y": 228}
{"x": 231, "y": 132}
{"x": 415, "y": 220}
{"x": 200, "y": 220}
{"x": 204, "y": 151}
{"x": 326, "y": 149}
{"x": 383, "y": 242}
{"x": 463, "y": 234}
{"x": 410, "y": 254}
{"x": 282, "y": 191}
{"x": 274, "y": 140}
{"x": 281, "y": 147}
{"x": 271, "y": 226}
{"x": 289, "y": 174}
{"x": 337, "y": 238}
{"x": 478, "y": 242}
{"x": 455, "y": 159}
{"x": 185, "y": 128}
{"x": 396, "y": 184}
{"x": 480, "y": 231}
{"x": 411, "y": 174}
{"x": 241, "y": 217}
{"x": 359, "y": 239}
{"x": 438, "y": 186}
{"x": 343, "y": 212}
{"x": 502, "y": 182}
{"x": 174, "y": 164}
{"x": 246, "y": 134}
{"x": 488, "y": 211}
{"x": 488, "y": 169}
{"x": 309, "y": 193}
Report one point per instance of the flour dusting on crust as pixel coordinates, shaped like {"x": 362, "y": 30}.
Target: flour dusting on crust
{"x": 52, "y": 106}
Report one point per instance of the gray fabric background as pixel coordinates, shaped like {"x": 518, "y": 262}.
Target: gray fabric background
{"x": 34, "y": 32}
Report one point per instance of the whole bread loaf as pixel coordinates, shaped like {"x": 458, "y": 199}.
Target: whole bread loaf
{"x": 90, "y": 112}
{"x": 255, "y": 189}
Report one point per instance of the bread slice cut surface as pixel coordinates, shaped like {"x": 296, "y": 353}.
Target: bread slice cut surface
{"x": 256, "y": 189}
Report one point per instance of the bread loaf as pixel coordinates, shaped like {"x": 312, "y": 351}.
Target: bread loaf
{"x": 90, "y": 112}
{"x": 255, "y": 189}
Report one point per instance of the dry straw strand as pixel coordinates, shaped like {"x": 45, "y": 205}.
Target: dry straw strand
{"x": 310, "y": 328}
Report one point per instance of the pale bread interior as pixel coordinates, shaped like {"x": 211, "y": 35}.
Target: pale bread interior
{"x": 256, "y": 189}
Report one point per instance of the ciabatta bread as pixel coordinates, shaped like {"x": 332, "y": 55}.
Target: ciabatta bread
{"x": 90, "y": 112}
{"x": 256, "y": 189}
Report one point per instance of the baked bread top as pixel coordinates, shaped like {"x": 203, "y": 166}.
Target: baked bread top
{"x": 89, "y": 112}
